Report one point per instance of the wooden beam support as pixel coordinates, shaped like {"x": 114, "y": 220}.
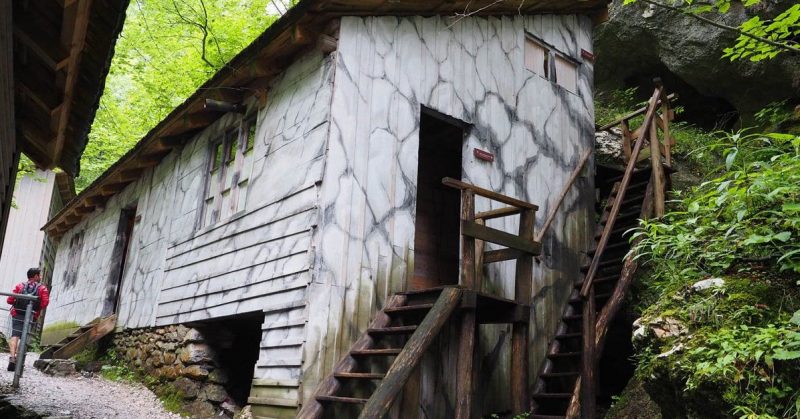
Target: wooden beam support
{"x": 465, "y": 374}
{"x": 501, "y": 255}
{"x": 52, "y": 55}
{"x": 502, "y": 238}
{"x": 497, "y": 213}
{"x": 81, "y": 24}
{"x": 457, "y": 184}
{"x": 190, "y": 122}
{"x": 523, "y": 294}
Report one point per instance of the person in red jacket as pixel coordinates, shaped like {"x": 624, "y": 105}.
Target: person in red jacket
{"x": 32, "y": 287}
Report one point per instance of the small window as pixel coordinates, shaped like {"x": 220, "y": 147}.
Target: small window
{"x": 216, "y": 158}
{"x": 551, "y": 64}
{"x": 566, "y": 73}
{"x": 230, "y": 165}
{"x": 537, "y": 57}
{"x": 250, "y": 125}
{"x": 73, "y": 259}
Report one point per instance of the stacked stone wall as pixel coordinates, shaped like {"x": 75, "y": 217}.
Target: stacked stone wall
{"x": 181, "y": 361}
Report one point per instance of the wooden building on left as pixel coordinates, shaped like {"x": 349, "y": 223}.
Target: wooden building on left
{"x": 54, "y": 57}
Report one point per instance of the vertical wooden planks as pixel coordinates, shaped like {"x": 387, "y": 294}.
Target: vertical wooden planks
{"x": 466, "y": 350}
{"x": 520, "y": 394}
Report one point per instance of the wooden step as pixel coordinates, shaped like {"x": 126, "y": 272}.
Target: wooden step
{"x": 599, "y": 281}
{"x": 562, "y": 355}
{"x": 407, "y": 309}
{"x": 337, "y": 399}
{"x": 359, "y": 375}
{"x": 560, "y": 374}
{"x": 578, "y": 299}
{"x": 604, "y": 264}
{"x": 565, "y": 336}
{"x": 432, "y": 290}
{"x": 618, "y": 230}
{"x": 550, "y": 396}
{"x": 613, "y": 246}
{"x": 630, "y": 200}
{"x": 375, "y": 352}
{"x": 396, "y": 330}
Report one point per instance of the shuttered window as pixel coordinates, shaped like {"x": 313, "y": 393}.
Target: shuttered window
{"x": 229, "y": 169}
{"x": 551, "y": 64}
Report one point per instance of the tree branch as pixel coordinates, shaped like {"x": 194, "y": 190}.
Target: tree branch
{"x": 770, "y": 42}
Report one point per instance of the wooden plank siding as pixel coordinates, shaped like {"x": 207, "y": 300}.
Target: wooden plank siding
{"x": 8, "y": 135}
{"x": 259, "y": 259}
{"x": 470, "y": 69}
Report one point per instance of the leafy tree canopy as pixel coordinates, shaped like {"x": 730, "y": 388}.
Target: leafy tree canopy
{"x": 166, "y": 50}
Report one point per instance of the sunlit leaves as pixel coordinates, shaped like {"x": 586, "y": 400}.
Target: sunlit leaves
{"x": 158, "y": 63}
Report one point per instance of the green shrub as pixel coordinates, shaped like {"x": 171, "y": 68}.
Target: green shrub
{"x": 741, "y": 346}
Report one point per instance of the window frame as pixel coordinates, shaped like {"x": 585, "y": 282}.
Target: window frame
{"x": 552, "y": 54}
{"x": 225, "y": 177}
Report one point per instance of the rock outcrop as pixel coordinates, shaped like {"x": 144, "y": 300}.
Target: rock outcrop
{"x": 640, "y": 41}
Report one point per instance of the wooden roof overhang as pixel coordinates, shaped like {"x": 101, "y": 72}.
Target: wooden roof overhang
{"x": 304, "y": 26}
{"x": 62, "y": 53}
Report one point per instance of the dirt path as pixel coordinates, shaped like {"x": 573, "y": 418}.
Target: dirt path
{"x": 79, "y": 397}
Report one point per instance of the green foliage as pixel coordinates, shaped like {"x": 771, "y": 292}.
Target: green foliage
{"x": 783, "y": 29}
{"x": 741, "y": 345}
{"x": 116, "y": 369}
{"x": 750, "y": 212}
{"x": 166, "y": 50}
{"x": 612, "y": 105}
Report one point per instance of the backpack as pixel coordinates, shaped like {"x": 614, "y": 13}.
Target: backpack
{"x": 30, "y": 288}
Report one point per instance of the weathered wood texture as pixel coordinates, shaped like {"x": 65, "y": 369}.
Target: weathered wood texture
{"x": 609, "y": 227}
{"x": 8, "y": 168}
{"x": 389, "y": 388}
{"x": 98, "y": 329}
{"x": 473, "y": 71}
{"x": 23, "y": 238}
{"x": 520, "y": 371}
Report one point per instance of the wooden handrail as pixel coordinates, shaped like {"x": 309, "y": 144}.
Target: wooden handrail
{"x": 378, "y": 405}
{"x": 671, "y": 97}
{"x": 552, "y": 215}
{"x": 626, "y": 179}
{"x": 497, "y": 213}
{"x": 457, "y": 184}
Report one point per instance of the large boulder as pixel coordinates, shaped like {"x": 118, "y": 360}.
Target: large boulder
{"x": 641, "y": 41}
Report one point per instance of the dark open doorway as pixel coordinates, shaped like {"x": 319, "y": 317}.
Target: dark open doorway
{"x": 119, "y": 258}
{"x": 436, "y": 236}
{"x": 236, "y": 342}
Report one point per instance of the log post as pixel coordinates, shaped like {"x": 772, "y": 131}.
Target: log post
{"x": 466, "y": 348}
{"x": 658, "y": 171}
{"x": 588, "y": 359}
{"x": 520, "y": 394}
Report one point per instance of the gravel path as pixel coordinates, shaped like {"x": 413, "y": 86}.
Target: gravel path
{"x": 79, "y": 397}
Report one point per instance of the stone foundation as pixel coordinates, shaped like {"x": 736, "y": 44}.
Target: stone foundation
{"x": 182, "y": 360}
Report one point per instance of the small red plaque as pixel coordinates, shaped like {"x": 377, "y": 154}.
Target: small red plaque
{"x": 483, "y": 155}
{"x": 587, "y": 55}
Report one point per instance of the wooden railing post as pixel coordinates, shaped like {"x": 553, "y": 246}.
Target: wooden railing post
{"x": 466, "y": 349}
{"x": 588, "y": 359}
{"x": 658, "y": 179}
{"x": 520, "y": 394}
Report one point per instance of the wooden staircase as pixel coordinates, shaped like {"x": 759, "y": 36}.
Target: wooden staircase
{"x": 79, "y": 339}
{"x": 380, "y": 361}
{"x": 557, "y": 377}
{"x": 566, "y": 384}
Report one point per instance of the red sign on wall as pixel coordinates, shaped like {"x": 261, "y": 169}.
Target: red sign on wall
{"x": 586, "y": 55}
{"x": 483, "y": 155}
